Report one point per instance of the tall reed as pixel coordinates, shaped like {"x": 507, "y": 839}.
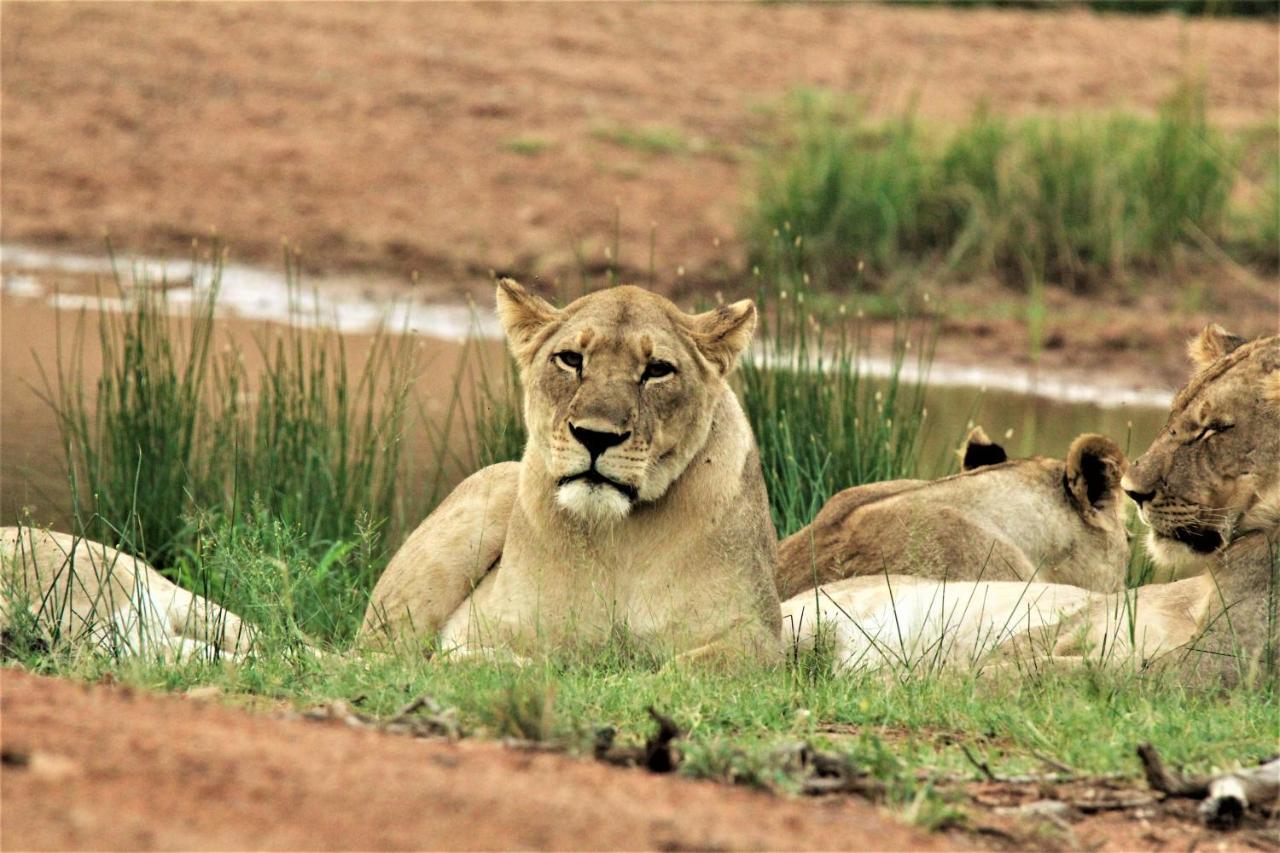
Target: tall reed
{"x": 181, "y": 421}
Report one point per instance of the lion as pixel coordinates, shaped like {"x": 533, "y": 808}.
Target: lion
{"x": 68, "y": 591}
{"x": 638, "y": 507}
{"x": 1208, "y": 487}
{"x": 1041, "y": 519}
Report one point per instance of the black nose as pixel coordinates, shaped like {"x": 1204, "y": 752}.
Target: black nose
{"x": 597, "y": 442}
{"x": 1140, "y": 497}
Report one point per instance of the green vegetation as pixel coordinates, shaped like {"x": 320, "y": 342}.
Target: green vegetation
{"x": 820, "y": 422}
{"x": 1079, "y": 201}
{"x": 649, "y": 138}
{"x": 528, "y": 144}
{"x": 743, "y": 728}
{"x": 180, "y": 436}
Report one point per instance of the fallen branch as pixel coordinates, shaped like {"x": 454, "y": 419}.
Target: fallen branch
{"x": 437, "y": 722}
{"x": 1226, "y": 796}
{"x": 1169, "y": 783}
{"x": 656, "y": 755}
{"x": 1232, "y": 794}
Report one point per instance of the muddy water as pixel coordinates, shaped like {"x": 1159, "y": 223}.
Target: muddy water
{"x": 41, "y": 290}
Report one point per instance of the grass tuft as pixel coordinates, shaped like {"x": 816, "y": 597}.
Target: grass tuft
{"x": 1081, "y": 201}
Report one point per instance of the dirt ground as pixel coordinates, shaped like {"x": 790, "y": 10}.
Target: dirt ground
{"x": 458, "y": 139}
{"x": 101, "y": 767}
{"x": 97, "y": 768}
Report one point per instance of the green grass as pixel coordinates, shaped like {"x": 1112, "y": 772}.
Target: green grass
{"x": 527, "y": 144}
{"x": 1080, "y": 201}
{"x": 821, "y": 424}
{"x": 743, "y": 727}
{"x": 655, "y": 139}
{"x": 182, "y": 427}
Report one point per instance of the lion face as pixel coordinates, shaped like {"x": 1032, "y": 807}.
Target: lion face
{"x": 1213, "y": 472}
{"x": 620, "y": 390}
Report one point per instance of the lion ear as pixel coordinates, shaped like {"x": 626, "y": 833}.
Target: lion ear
{"x": 1095, "y": 465}
{"x": 724, "y": 334}
{"x": 526, "y": 319}
{"x": 1211, "y": 344}
{"x": 978, "y": 450}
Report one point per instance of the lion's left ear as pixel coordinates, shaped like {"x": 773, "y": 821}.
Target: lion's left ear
{"x": 1212, "y": 344}
{"x": 725, "y": 333}
{"x": 979, "y": 451}
{"x": 526, "y": 318}
{"x": 1095, "y": 465}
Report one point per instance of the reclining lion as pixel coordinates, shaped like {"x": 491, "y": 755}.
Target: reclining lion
{"x": 1039, "y": 519}
{"x": 78, "y": 594}
{"x": 638, "y": 506}
{"x": 1209, "y": 487}
{"x": 1209, "y": 490}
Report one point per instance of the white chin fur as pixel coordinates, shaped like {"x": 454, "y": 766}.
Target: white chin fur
{"x": 593, "y": 502}
{"x": 1177, "y": 559}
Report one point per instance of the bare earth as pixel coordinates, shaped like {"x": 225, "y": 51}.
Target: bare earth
{"x": 107, "y": 767}
{"x": 97, "y": 768}
{"x": 457, "y": 139}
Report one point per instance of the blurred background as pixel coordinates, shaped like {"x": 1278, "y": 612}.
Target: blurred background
{"x": 1061, "y": 192}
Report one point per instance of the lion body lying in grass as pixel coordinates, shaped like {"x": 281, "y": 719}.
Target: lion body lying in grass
{"x": 1036, "y": 519}
{"x": 65, "y": 591}
{"x": 639, "y": 506}
{"x": 1209, "y": 487}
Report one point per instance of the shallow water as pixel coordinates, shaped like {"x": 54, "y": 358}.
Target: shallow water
{"x": 1027, "y": 413}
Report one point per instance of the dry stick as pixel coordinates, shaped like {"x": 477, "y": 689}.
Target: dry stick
{"x": 1172, "y": 784}
{"x": 981, "y": 765}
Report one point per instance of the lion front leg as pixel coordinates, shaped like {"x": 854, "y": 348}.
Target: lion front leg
{"x": 443, "y": 560}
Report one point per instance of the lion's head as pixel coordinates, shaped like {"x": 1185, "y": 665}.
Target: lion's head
{"x": 1213, "y": 472}
{"x": 620, "y": 388}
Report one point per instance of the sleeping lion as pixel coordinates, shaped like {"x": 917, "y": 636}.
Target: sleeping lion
{"x": 1050, "y": 520}
{"x": 638, "y": 507}
{"x": 1208, "y": 487}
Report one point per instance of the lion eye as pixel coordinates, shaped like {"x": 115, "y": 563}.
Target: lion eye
{"x": 1212, "y": 430}
{"x": 568, "y": 359}
{"x": 657, "y": 370}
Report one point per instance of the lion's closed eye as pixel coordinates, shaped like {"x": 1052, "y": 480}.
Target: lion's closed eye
{"x": 1212, "y": 430}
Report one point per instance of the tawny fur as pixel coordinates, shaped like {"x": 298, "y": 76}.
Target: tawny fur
{"x": 1209, "y": 487}
{"x": 1037, "y": 519}
{"x": 526, "y": 559}
{"x": 1210, "y": 490}
{"x": 90, "y": 596}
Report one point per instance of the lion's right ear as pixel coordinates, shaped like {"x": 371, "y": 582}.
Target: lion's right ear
{"x": 1212, "y": 344}
{"x": 526, "y": 319}
{"x": 1095, "y": 465}
{"x": 725, "y": 333}
{"x": 979, "y": 450}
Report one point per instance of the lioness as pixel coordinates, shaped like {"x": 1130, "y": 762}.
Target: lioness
{"x": 82, "y": 594}
{"x": 638, "y": 505}
{"x": 1038, "y": 519}
{"x": 1209, "y": 487}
